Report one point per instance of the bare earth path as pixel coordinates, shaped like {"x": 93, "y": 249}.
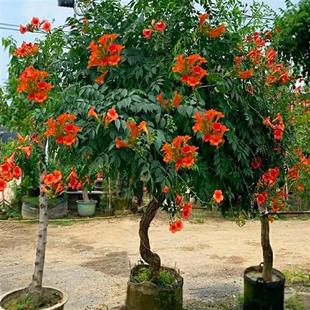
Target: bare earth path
{"x": 90, "y": 260}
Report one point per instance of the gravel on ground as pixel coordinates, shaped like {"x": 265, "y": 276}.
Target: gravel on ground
{"x": 91, "y": 260}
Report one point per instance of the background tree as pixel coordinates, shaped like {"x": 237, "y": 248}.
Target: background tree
{"x": 293, "y": 35}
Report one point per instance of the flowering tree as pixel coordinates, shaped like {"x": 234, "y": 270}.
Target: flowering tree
{"x": 33, "y": 96}
{"x": 164, "y": 94}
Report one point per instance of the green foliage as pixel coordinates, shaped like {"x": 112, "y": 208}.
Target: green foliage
{"x": 294, "y": 36}
{"x": 299, "y": 277}
{"x": 294, "y": 303}
{"x": 144, "y": 274}
{"x": 131, "y": 88}
{"x": 164, "y": 278}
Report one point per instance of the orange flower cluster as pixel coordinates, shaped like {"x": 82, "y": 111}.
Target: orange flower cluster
{"x": 263, "y": 58}
{"x": 34, "y": 25}
{"x": 190, "y": 69}
{"x": 180, "y": 152}
{"x": 104, "y": 54}
{"x": 256, "y": 162}
{"x": 26, "y": 50}
{"x": 73, "y": 181}
{"x": 108, "y": 117}
{"x": 262, "y": 198}
{"x": 176, "y": 226}
{"x": 212, "y": 32}
{"x": 267, "y": 181}
{"x": 24, "y": 144}
{"x": 269, "y": 178}
{"x": 156, "y": 26}
{"x": 8, "y": 172}
{"x": 169, "y": 104}
{"x": 32, "y": 82}
{"x": 185, "y": 208}
{"x": 218, "y": 196}
{"x": 63, "y": 129}
{"x": 52, "y": 184}
{"x": 135, "y": 131}
{"x": 216, "y": 32}
{"x": 208, "y": 124}
{"x": 278, "y": 200}
{"x": 278, "y": 74}
{"x": 277, "y": 125}
{"x": 246, "y": 74}
{"x": 294, "y": 173}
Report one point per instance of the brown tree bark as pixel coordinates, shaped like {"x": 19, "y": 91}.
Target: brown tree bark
{"x": 35, "y": 287}
{"x": 147, "y": 255}
{"x": 267, "y": 250}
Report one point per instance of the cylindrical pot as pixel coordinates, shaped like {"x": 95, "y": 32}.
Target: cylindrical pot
{"x": 261, "y": 295}
{"x": 57, "y": 208}
{"x": 47, "y": 290}
{"x": 86, "y": 208}
{"x": 149, "y": 296}
{"x": 66, "y": 3}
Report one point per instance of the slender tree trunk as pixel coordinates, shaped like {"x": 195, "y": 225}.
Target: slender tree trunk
{"x": 85, "y": 195}
{"x": 147, "y": 255}
{"x": 267, "y": 250}
{"x": 35, "y": 287}
{"x": 109, "y": 195}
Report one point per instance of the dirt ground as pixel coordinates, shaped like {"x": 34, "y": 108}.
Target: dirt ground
{"x": 91, "y": 260}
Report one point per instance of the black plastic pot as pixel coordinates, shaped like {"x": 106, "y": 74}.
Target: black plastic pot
{"x": 66, "y": 3}
{"x": 148, "y": 296}
{"x": 261, "y": 295}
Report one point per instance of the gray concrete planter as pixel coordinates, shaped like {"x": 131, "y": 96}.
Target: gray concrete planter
{"x": 58, "y": 208}
{"x": 147, "y": 295}
{"x": 86, "y": 208}
{"x": 14, "y": 293}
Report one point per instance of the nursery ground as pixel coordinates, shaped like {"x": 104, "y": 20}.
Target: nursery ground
{"x": 90, "y": 260}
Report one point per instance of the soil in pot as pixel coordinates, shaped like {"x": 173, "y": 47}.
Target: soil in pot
{"x": 163, "y": 293}
{"x": 21, "y": 300}
{"x": 261, "y": 295}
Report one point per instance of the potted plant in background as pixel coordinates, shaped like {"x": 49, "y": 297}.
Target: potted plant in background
{"x": 9, "y": 171}
{"x": 57, "y": 201}
{"x": 82, "y": 181}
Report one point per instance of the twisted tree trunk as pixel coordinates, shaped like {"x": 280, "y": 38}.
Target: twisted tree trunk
{"x": 35, "y": 287}
{"x": 147, "y": 255}
{"x": 267, "y": 250}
